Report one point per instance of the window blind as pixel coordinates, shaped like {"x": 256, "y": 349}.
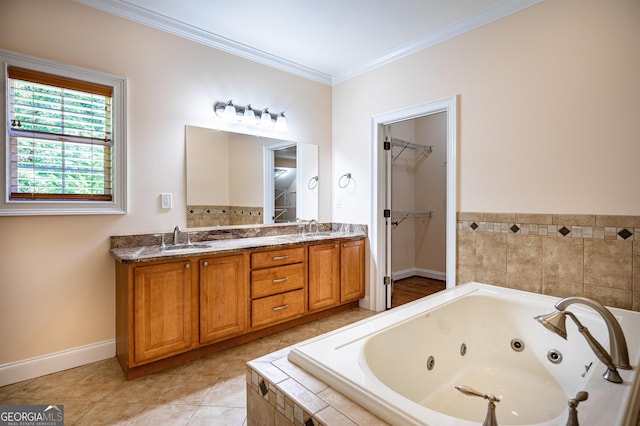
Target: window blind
{"x": 60, "y": 137}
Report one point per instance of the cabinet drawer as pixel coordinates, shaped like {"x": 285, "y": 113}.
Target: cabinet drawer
{"x": 265, "y": 282}
{"x": 278, "y": 308}
{"x": 266, "y": 259}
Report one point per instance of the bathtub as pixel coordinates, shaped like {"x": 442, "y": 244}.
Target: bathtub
{"x": 403, "y": 364}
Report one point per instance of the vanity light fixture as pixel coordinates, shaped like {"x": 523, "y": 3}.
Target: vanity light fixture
{"x": 250, "y": 116}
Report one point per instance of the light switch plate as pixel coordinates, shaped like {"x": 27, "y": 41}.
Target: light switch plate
{"x": 166, "y": 200}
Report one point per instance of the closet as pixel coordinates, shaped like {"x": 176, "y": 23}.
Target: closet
{"x": 415, "y": 217}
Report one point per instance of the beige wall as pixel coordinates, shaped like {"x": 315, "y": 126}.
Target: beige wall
{"x": 56, "y": 275}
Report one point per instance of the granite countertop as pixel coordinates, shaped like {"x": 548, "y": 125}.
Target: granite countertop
{"x": 155, "y": 252}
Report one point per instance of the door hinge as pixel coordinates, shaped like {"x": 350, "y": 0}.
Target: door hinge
{"x": 387, "y": 280}
{"x": 387, "y": 144}
{"x": 387, "y": 213}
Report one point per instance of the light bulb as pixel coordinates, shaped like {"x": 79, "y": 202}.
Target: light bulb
{"x": 230, "y": 111}
{"x": 281, "y": 122}
{"x": 265, "y": 118}
{"x": 249, "y": 115}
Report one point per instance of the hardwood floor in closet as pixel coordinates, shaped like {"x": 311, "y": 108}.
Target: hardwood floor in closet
{"x": 409, "y": 289}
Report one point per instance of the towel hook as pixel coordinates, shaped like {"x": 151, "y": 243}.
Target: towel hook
{"x": 347, "y": 177}
{"x": 313, "y": 183}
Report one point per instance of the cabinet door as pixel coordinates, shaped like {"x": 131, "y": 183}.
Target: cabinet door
{"x": 351, "y": 270}
{"x": 223, "y": 298}
{"x": 324, "y": 276}
{"x": 163, "y": 309}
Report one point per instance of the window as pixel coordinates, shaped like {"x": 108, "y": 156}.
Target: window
{"x": 65, "y": 145}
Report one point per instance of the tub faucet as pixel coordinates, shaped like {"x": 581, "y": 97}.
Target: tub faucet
{"x": 619, "y": 356}
{"x": 176, "y": 234}
{"x": 311, "y": 223}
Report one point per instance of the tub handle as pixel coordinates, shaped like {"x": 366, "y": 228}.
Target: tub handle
{"x": 573, "y": 408}
{"x": 490, "y": 419}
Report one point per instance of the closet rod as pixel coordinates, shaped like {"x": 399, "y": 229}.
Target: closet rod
{"x": 411, "y": 145}
{"x": 404, "y": 214}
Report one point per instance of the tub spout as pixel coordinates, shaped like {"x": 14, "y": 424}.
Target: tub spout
{"x": 619, "y": 355}
{"x": 490, "y": 419}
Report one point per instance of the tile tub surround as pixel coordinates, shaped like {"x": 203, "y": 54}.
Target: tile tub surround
{"x": 146, "y": 247}
{"x": 281, "y": 393}
{"x": 596, "y": 256}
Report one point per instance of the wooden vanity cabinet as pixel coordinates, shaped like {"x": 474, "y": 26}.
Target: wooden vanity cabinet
{"x": 223, "y": 297}
{"x": 351, "y": 270}
{"x": 336, "y": 273}
{"x": 164, "y": 306}
{"x": 175, "y": 310}
{"x": 324, "y": 275}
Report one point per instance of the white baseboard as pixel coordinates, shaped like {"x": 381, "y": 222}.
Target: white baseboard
{"x": 18, "y": 371}
{"x": 417, "y": 272}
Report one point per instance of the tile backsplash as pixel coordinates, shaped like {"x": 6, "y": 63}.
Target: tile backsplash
{"x": 595, "y": 256}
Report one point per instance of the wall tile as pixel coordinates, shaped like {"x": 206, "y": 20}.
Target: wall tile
{"x": 563, "y": 259}
{"x": 574, "y": 219}
{"x": 608, "y": 263}
{"x": 533, "y": 218}
{"x": 466, "y": 247}
{"x": 465, "y": 274}
{"x": 520, "y": 282}
{"x": 259, "y": 411}
{"x": 618, "y": 221}
{"x": 491, "y": 277}
{"x": 491, "y": 251}
{"x": 524, "y": 255}
{"x": 562, "y": 288}
{"x": 499, "y": 217}
{"x": 470, "y": 216}
{"x": 610, "y": 296}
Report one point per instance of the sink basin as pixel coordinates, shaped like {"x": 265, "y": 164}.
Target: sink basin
{"x": 186, "y": 247}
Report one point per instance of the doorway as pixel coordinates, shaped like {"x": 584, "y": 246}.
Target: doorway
{"x": 416, "y": 157}
{"x": 386, "y": 217}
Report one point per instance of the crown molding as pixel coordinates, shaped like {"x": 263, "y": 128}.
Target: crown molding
{"x": 181, "y": 29}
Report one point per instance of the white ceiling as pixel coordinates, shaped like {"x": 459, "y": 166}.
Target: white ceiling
{"x": 325, "y": 40}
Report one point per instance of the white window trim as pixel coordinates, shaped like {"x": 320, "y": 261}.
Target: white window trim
{"x": 66, "y": 207}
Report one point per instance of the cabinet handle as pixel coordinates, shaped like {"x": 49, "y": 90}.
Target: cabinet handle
{"x": 205, "y": 263}
{"x": 344, "y": 244}
{"x": 280, "y": 280}
{"x": 280, "y": 257}
{"x": 279, "y": 308}
{"x": 187, "y": 266}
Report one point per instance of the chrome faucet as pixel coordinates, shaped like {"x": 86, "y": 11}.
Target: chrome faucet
{"x": 311, "y": 223}
{"x": 619, "y": 356}
{"x": 176, "y": 234}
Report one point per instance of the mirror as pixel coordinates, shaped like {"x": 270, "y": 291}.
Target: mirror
{"x": 239, "y": 179}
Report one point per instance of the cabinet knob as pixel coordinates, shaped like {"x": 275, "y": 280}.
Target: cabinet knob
{"x": 344, "y": 244}
{"x": 205, "y": 263}
{"x": 187, "y": 266}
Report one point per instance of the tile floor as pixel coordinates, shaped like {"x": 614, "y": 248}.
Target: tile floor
{"x": 208, "y": 391}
